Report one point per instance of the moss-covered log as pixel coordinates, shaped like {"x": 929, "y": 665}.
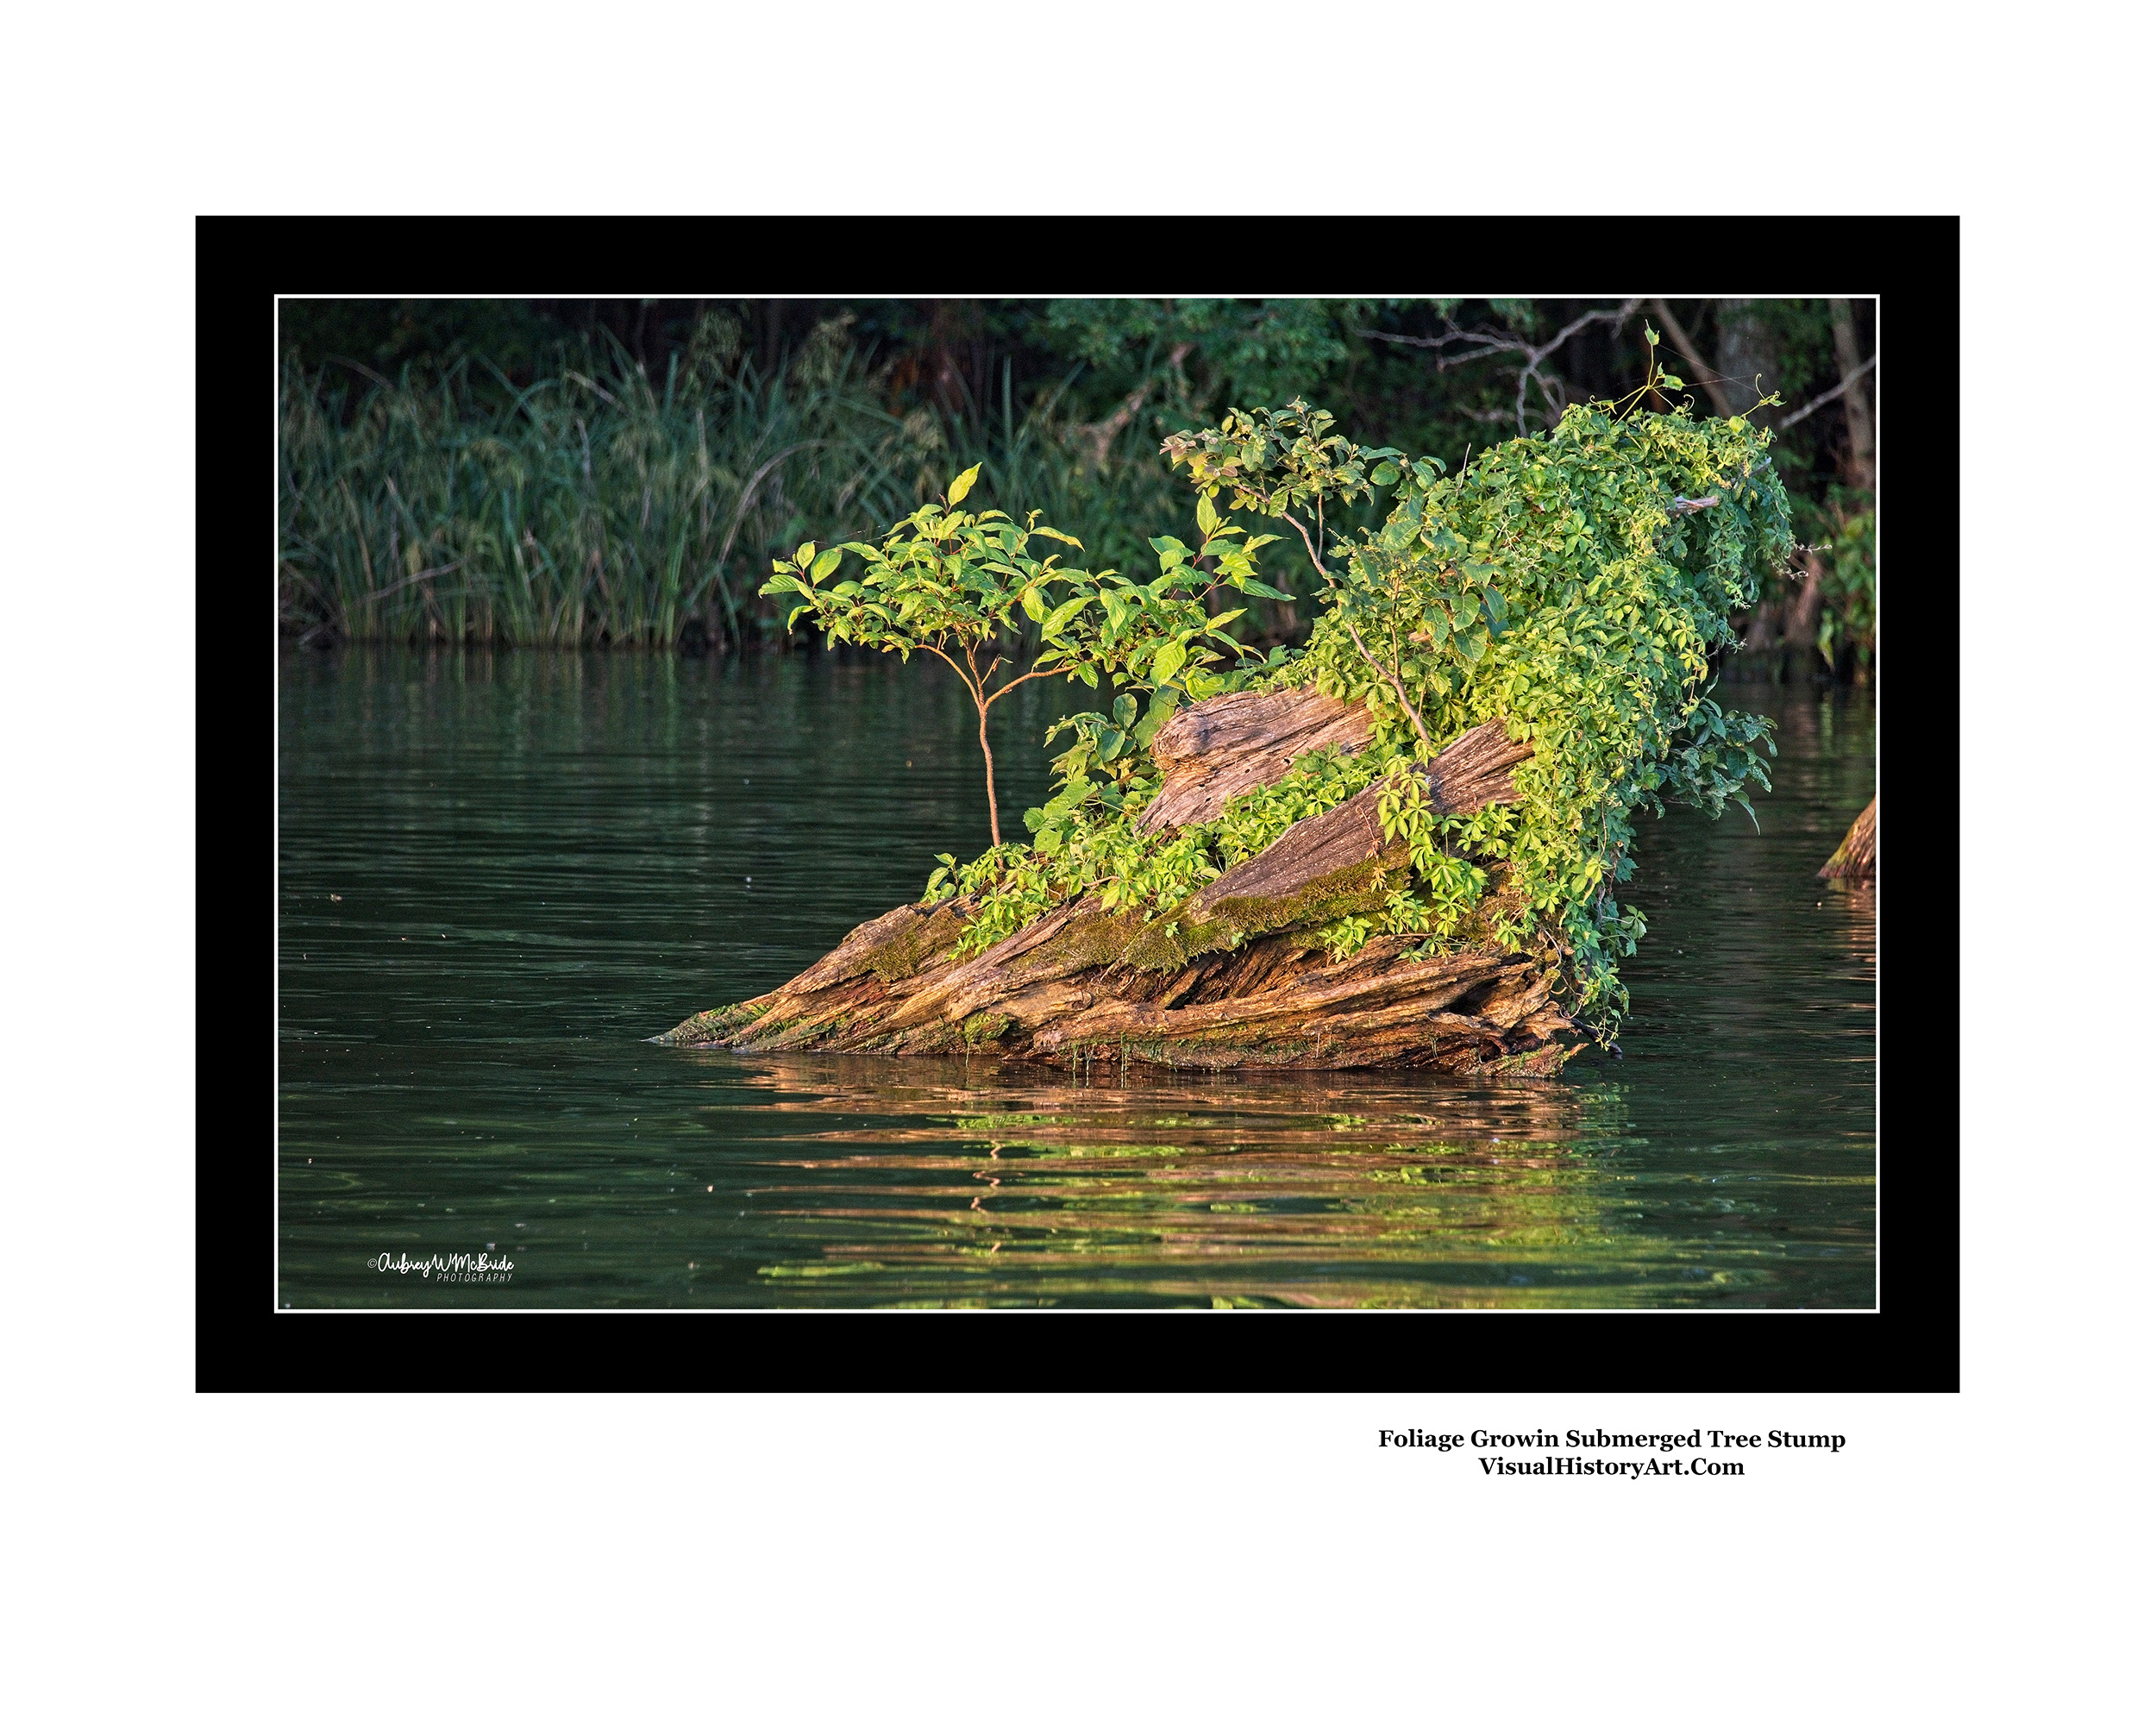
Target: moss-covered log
{"x": 1237, "y": 975}
{"x": 1854, "y": 859}
{"x": 1272, "y": 886}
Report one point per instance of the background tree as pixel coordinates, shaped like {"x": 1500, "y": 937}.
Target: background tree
{"x": 623, "y": 471}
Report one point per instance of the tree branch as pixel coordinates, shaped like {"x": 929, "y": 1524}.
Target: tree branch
{"x": 1104, "y": 433}
{"x": 956, "y": 666}
{"x": 1704, "y": 374}
{"x": 1537, "y": 355}
{"x": 1834, "y": 394}
{"x": 1027, "y": 678}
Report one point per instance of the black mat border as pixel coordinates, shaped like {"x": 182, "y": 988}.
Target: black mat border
{"x": 1911, "y": 1344}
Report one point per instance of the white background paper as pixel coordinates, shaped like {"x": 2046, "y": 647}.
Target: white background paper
{"x": 1975, "y": 1556}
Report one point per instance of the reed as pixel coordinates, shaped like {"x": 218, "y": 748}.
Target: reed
{"x": 602, "y": 507}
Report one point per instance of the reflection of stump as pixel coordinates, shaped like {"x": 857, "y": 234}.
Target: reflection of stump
{"x": 1235, "y": 975}
{"x": 1853, "y": 860}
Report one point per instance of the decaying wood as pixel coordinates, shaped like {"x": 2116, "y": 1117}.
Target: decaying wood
{"x": 1237, "y": 975}
{"x": 1853, "y": 860}
{"x": 1232, "y": 743}
{"x": 1322, "y": 854}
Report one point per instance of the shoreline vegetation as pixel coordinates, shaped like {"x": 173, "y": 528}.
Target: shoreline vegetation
{"x": 602, "y": 495}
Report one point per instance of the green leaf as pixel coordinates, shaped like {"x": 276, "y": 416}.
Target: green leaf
{"x": 1252, "y": 584}
{"x": 1059, "y": 619}
{"x": 1168, "y": 660}
{"x": 823, "y": 565}
{"x": 963, "y": 484}
{"x": 1384, "y": 473}
{"x": 1156, "y": 714}
{"x": 1030, "y": 599}
{"x": 803, "y": 554}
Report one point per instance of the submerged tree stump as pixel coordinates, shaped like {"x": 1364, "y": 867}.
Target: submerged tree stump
{"x": 1237, "y": 975}
{"x": 1853, "y": 860}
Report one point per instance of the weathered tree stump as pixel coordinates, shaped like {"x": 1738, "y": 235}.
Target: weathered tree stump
{"x": 1237, "y": 975}
{"x": 1221, "y": 748}
{"x": 1853, "y": 860}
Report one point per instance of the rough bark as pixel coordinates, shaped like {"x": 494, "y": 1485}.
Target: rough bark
{"x": 1856, "y": 410}
{"x": 1237, "y": 975}
{"x": 1856, "y": 858}
{"x": 1746, "y": 352}
{"x": 1232, "y": 743}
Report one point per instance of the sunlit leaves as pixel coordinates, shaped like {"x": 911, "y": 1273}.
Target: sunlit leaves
{"x": 1547, "y": 586}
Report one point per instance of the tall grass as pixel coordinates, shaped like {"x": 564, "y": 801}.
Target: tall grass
{"x": 602, "y": 507}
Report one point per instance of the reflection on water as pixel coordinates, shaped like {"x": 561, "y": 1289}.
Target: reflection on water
{"x": 539, "y": 860}
{"x": 1339, "y": 1190}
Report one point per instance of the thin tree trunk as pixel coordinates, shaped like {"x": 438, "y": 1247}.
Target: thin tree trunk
{"x": 1856, "y": 410}
{"x": 1801, "y": 630}
{"x": 995, "y": 830}
{"x": 1746, "y": 352}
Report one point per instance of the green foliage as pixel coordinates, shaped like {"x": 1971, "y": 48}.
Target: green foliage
{"x": 594, "y": 506}
{"x": 953, "y": 584}
{"x": 1255, "y": 350}
{"x": 1849, "y": 584}
{"x": 594, "y": 473}
{"x": 597, "y": 506}
{"x": 956, "y": 585}
{"x": 1572, "y": 584}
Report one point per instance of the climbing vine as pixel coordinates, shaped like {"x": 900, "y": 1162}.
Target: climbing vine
{"x": 1573, "y": 585}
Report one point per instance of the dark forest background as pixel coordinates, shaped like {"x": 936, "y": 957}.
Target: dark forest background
{"x": 621, "y": 473}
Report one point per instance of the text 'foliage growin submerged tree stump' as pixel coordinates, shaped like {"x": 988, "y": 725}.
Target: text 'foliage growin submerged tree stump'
{"x": 1395, "y": 847}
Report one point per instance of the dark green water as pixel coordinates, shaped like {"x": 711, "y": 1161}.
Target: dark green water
{"x": 498, "y": 874}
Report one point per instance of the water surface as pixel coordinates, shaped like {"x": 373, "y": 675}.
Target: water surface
{"x": 499, "y": 873}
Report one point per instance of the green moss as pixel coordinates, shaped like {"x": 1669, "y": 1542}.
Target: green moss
{"x": 714, "y": 1026}
{"x": 1086, "y": 942}
{"x": 1173, "y": 940}
{"x": 983, "y": 1027}
{"x": 1535, "y": 1063}
{"x": 913, "y": 949}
